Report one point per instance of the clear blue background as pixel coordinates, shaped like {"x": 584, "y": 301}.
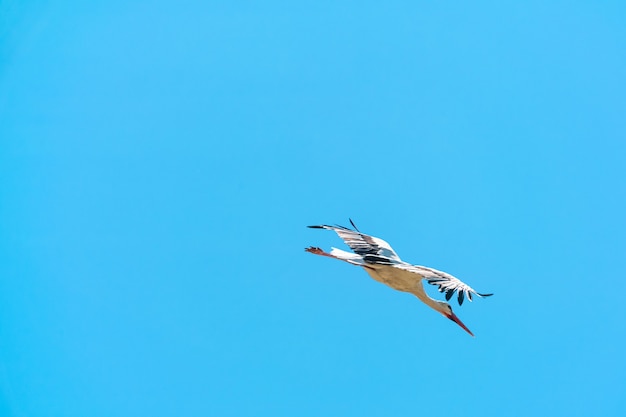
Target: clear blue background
{"x": 159, "y": 162}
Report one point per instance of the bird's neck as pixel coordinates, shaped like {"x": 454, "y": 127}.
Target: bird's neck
{"x": 421, "y": 294}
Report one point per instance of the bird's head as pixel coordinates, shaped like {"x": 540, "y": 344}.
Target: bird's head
{"x": 446, "y": 310}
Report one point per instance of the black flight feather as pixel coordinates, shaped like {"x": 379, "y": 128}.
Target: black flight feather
{"x": 461, "y": 297}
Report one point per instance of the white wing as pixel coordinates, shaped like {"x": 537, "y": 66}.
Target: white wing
{"x": 446, "y": 282}
{"x": 372, "y": 249}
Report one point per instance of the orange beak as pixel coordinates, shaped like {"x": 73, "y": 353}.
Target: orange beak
{"x": 455, "y": 319}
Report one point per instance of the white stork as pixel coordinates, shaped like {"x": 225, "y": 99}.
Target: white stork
{"x": 382, "y": 263}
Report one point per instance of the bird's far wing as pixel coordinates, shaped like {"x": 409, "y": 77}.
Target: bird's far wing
{"x": 365, "y": 245}
{"x": 446, "y": 282}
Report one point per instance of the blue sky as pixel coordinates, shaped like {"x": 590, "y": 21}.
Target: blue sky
{"x": 160, "y": 161}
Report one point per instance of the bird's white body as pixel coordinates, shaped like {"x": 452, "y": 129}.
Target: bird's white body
{"x": 400, "y": 280}
{"x": 396, "y": 278}
{"x": 382, "y": 263}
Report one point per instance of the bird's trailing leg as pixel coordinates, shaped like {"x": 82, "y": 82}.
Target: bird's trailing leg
{"x": 339, "y": 255}
{"x": 318, "y": 251}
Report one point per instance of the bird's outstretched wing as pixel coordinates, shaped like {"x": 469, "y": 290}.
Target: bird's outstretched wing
{"x": 371, "y": 248}
{"x": 446, "y": 282}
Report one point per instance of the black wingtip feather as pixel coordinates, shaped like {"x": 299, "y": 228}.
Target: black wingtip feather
{"x": 315, "y": 227}
{"x": 461, "y": 297}
{"x": 449, "y": 294}
{"x": 354, "y": 225}
{"x": 484, "y": 295}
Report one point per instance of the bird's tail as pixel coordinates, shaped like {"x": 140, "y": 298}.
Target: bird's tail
{"x": 352, "y": 258}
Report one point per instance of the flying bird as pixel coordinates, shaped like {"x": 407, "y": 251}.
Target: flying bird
{"x": 383, "y": 264}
